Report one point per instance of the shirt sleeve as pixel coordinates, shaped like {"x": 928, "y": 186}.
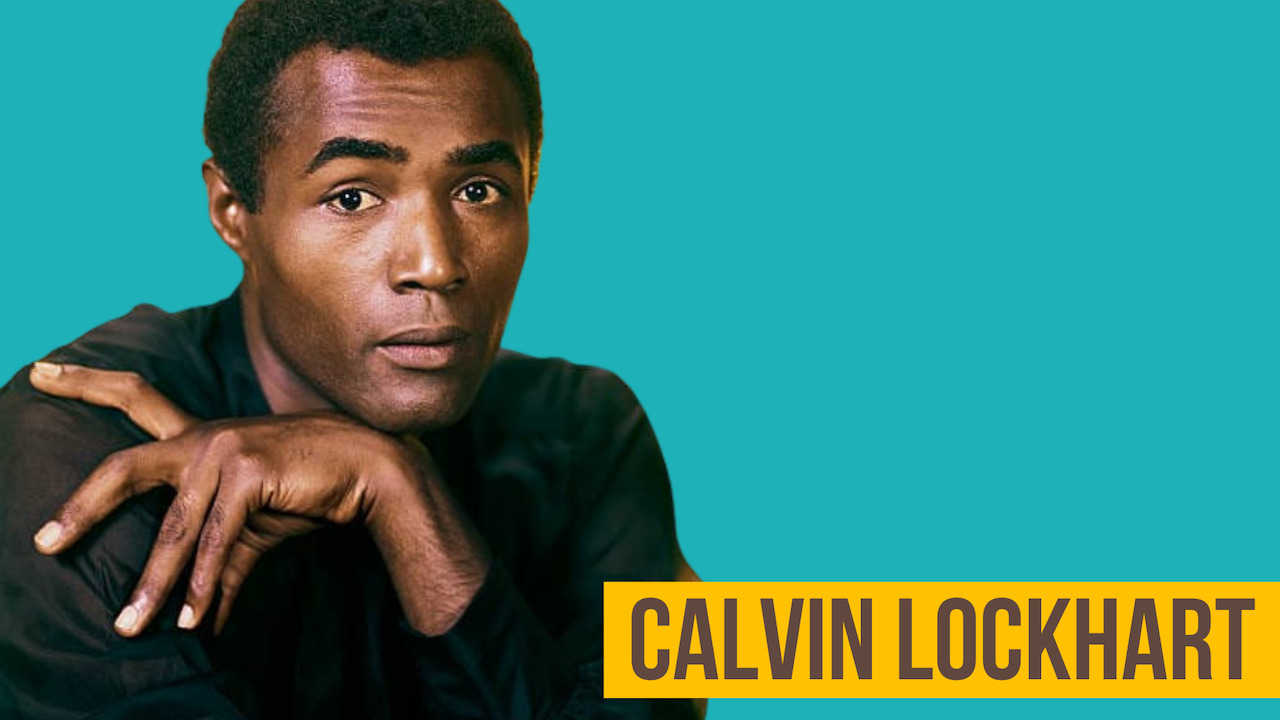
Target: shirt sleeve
{"x": 499, "y": 660}
{"x": 59, "y": 656}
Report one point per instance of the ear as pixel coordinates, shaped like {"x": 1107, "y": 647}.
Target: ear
{"x": 226, "y": 209}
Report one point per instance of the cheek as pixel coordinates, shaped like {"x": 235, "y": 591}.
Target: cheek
{"x": 511, "y": 262}
{"x": 501, "y": 259}
{"x": 315, "y": 288}
{"x": 497, "y": 290}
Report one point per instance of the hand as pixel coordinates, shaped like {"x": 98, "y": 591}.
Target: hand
{"x": 243, "y": 486}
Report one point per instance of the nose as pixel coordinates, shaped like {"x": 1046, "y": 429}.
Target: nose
{"x": 427, "y": 254}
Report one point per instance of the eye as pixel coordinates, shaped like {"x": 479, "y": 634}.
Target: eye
{"x": 352, "y": 200}
{"x": 480, "y": 192}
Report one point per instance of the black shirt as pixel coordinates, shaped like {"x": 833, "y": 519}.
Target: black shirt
{"x": 555, "y": 464}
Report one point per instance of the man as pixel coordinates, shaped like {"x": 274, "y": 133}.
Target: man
{"x": 440, "y": 514}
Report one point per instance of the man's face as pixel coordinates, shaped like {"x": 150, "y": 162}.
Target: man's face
{"x": 383, "y": 259}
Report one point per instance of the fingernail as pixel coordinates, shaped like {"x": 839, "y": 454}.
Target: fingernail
{"x": 46, "y": 370}
{"x": 187, "y": 618}
{"x": 128, "y": 618}
{"x": 49, "y": 535}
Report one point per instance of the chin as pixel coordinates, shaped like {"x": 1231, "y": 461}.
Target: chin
{"x": 417, "y": 414}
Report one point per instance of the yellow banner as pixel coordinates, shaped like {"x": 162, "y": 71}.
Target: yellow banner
{"x": 941, "y": 639}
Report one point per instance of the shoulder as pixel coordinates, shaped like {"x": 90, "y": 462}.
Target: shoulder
{"x": 168, "y": 349}
{"x": 160, "y": 346}
{"x": 553, "y": 397}
{"x": 48, "y": 445}
{"x": 57, "y": 647}
{"x": 57, "y": 433}
{"x": 578, "y": 436}
{"x": 581, "y": 426}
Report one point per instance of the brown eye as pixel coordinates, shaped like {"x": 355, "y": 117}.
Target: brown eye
{"x": 349, "y": 200}
{"x": 479, "y": 193}
{"x": 353, "y": 200}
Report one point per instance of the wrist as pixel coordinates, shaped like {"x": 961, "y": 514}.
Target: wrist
{"x": 397, "y": 481}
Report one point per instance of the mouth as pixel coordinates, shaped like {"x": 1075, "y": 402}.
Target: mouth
{"x": 433, "y": 347}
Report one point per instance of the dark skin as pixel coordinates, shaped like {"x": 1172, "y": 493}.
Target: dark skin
{"x": 245, "y": 486}
{"x": 225, "y": 551}
{"x": 378, "y": 274}
{"x": 395, "y": 201}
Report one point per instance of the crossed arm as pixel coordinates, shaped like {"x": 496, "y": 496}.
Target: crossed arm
{"x": 245, "y": 485}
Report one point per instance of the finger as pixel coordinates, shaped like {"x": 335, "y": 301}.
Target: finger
{"x": 226, "y": 520}
{"x": 243, "y": 557}
{"x": 258, "y": 532}
{"x": 121, "y": 476}
{"x": 174, "y": 544}
{"x": 124, "y": 391}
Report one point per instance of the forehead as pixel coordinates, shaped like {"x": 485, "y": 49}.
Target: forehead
{"x": 432, "y": 106}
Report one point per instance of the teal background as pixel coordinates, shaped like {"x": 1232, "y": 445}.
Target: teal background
{"x": 910, "y": 290}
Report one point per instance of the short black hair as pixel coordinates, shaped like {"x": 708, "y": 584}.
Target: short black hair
{"x": 264, "y": 34}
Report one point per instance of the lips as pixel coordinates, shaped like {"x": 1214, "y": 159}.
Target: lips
{"x": 434, "y": 347}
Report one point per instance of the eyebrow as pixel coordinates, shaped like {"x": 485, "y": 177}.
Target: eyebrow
{"x": 494, "y": 151}
{"x": 344, "y": 147}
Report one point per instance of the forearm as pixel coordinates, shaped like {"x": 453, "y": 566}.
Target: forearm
{"x": 436, "y": 560}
